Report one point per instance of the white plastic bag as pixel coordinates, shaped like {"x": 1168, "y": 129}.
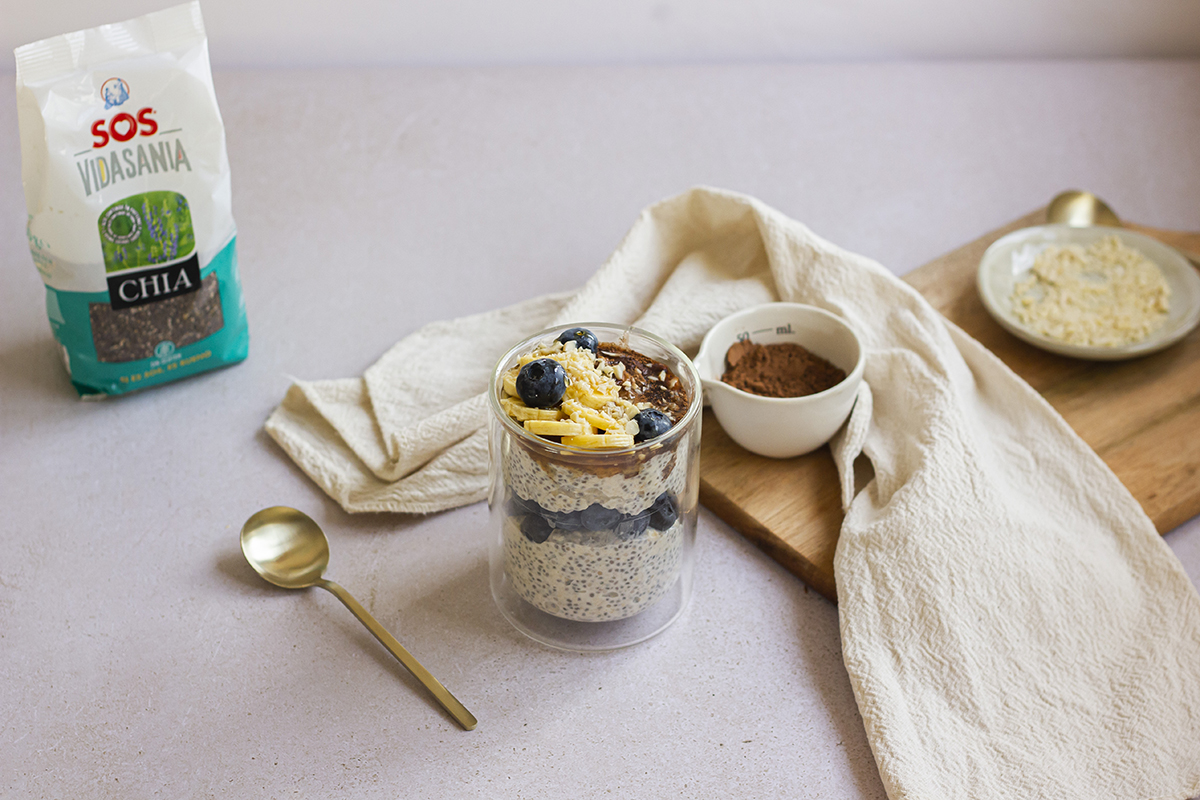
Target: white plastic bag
{"x": 127, "y": 188}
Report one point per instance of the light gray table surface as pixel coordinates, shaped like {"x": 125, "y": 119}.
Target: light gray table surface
{"x": 140, "y": 656}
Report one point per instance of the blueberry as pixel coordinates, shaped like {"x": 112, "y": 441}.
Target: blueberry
{"x": 652, "y": 423}
{"x": 519, "y": 506}
{"x": 664, "y": 512}
{"x": 632, "y": 527}
{"x": 536, "y": 528}
{"x": 582, "y": 337}
{"x": 567, "y": 520}
{"x": 598, "y": 518}
{"x": 541, "y": 383}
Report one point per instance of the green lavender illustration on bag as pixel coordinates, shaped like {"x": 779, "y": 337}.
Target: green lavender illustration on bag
{"x": 146, "y": 229}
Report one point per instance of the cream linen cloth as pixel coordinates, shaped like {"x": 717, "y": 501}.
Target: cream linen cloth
{"x": 1012, "y": 625}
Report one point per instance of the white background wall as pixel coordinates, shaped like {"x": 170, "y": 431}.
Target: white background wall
{"x": 352, "y": 32}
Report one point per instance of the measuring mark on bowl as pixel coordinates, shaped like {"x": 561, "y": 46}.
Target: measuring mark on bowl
{"x": 779, "y": 330}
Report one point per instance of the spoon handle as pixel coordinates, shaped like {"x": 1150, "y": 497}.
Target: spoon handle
{"x": 443, "y": 696}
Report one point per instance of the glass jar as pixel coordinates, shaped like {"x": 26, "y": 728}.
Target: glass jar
{"x": 593, "y": 549}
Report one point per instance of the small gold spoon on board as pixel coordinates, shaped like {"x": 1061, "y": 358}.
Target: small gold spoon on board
{"x": 289, "y": 549}
{"x": 1081, "y": 209}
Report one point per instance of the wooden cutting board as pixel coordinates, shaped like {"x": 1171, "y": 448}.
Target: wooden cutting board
{"x": 1141, "y": 416}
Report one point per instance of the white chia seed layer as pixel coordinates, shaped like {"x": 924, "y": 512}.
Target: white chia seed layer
{"x": 593, "y": 576}
{"x": 557, "y": 486}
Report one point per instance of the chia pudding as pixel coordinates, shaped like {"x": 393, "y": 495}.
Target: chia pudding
{"x": 593, "y": 475}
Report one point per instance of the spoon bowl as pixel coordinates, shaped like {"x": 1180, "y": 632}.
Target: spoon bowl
{"x": 1080, "y": 209}
{"x": 287, "y": 548}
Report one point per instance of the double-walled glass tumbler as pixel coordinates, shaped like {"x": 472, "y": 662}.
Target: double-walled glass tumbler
{"x": 594, "y": 549}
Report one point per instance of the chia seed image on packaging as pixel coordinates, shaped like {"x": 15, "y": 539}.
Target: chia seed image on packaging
{"x": 127, "y": 187}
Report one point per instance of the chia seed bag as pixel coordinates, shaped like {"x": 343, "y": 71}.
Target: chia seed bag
{"x": 127, "y": 188}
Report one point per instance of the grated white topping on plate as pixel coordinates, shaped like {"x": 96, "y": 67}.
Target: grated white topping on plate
{"x": 1106, "y": 295}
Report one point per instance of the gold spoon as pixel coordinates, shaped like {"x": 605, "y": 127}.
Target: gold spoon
{"x": 288, "y": 549}
{"x": 1080, "y": 210}
{"x": 1083, "y": 209}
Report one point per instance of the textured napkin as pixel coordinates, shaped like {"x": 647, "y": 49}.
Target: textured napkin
{"x": 1012, "y": 624}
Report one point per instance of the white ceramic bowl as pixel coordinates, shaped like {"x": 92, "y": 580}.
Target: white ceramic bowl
{"x": 1010, "y": 258}
{"x": 782, "y": 427}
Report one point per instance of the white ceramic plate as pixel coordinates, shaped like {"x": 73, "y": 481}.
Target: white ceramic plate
{"x": 1009, "y": 259}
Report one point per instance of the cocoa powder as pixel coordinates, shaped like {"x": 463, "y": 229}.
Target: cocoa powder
{"x": 778, "y": 370}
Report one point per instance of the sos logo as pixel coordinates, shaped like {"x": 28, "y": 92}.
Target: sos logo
{"x": 123, "y": 127}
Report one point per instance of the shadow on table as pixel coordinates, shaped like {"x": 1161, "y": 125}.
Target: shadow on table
{"x": 33, "y": 370}
{"x": 233, "y": 567}
{"x": 834, "y": 687}
{"x": 438, "y": 640}
{"x": 820, "y": 659}
{"x": 435, "y": 626}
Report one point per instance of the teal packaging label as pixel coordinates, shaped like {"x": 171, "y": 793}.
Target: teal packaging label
{"x": 113, "y": 349}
